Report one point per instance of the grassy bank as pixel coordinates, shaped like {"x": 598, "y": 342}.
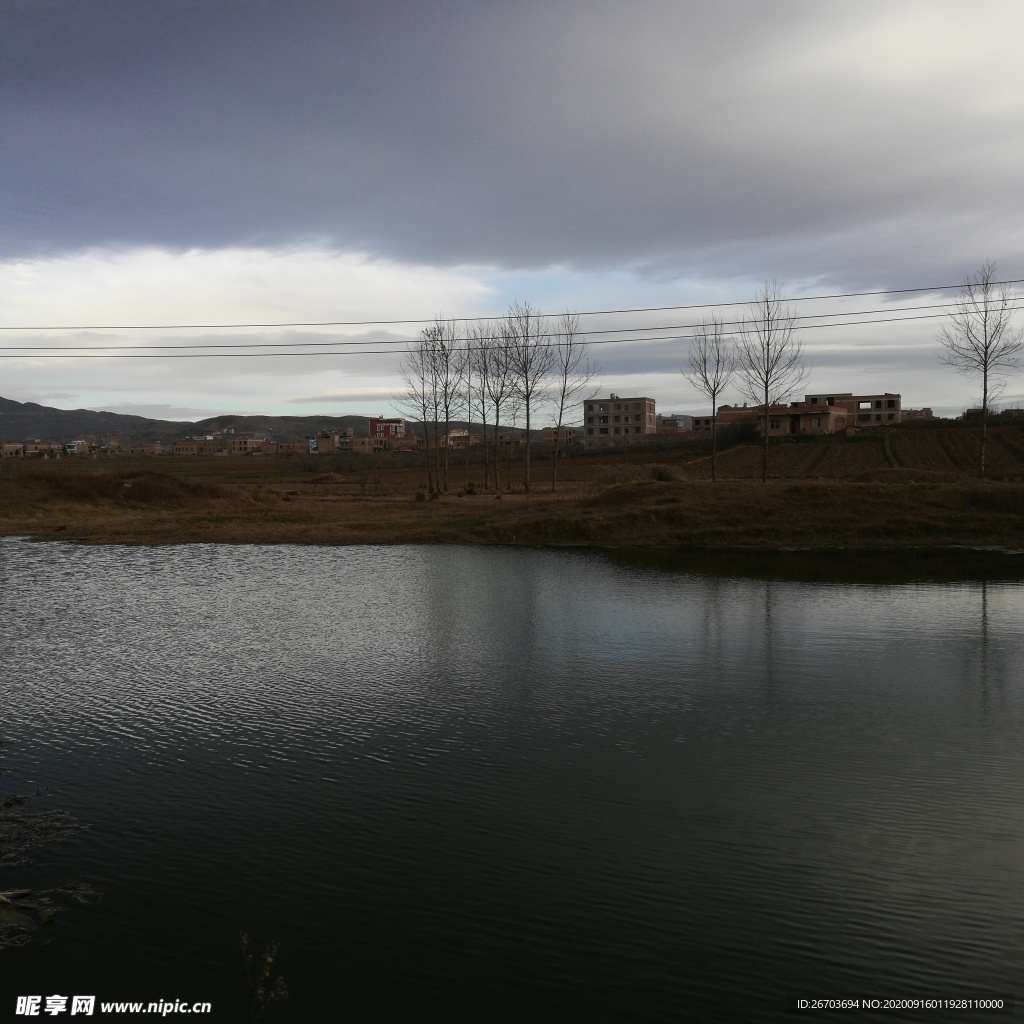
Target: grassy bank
{"x": 616, "y": 500}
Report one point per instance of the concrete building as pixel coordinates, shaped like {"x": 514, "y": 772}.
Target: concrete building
{"x": 676, "y": 423}
{"x": 863, "y": 410}
{"x": 802, "y": 418}
{"x": 618, "y": 419}
{"x": 208, "y": 445}
{"x": 381, "y": 427}
{"x": 567, "y": 436}
{"x": 242, "y": 444}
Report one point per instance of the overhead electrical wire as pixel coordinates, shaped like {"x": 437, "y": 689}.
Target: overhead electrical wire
{"x": 473, "y": 319}
{"x": 365, "y": 347}
{"x": 130, "y": 352}
{"x": 406, "y": 341}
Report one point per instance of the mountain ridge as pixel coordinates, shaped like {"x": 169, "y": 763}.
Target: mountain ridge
{"x": 28, "y": 421}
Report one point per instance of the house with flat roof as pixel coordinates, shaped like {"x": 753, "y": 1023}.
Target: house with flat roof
{"x": 863, "y": 410}
{"x": 618, "y": 419}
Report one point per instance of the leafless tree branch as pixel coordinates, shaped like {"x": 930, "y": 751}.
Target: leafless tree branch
{"x": 981, "y": 340}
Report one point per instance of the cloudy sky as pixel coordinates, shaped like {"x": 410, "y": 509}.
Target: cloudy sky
{"x": 185, "y": 166}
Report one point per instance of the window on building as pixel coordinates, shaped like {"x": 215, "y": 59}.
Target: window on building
{"x": 602, "y": 419}
{"x": 830, "y": 400}
{"x": 890, "y": 416}
{"x": 590, "y": 430}
{"x": 618, "y": 430}
{"x": 602, "y": 430}
{"x": 774, "y": 424}
{"x": 590, "y": 408}
{"x": 864, "y": 405}
{"x": 618, "y": 419}
{"x": 814, "y": 399}
{"x": 891, "y": 403}
{"x": 625, "y": 430}
{"x": 815, "y": 421}
{"x": 878, "y": 417}
{"x": 590, "y": 419}
{"x": 878, "y": 404}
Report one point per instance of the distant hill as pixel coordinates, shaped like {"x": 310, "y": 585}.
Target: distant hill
{"x": 280, "y": 428}
{"x": 28, "y": 421}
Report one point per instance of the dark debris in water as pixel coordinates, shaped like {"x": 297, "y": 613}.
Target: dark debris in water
{"x": 24, "y": 911}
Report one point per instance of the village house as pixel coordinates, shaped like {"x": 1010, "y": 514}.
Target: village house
{"x": 817, "y": 414}
{"x": 379, "y": 426}
{"x": 207, "y": 445}
{"x": 676, "y": 423}
{"x": 566, "y": 436}
{"x": 614, "y": 418}
{"x": 863, "y": 410}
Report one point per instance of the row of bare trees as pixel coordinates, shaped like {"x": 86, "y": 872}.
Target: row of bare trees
{"x": 763, "y": 357}
{"x": 765, "y": 360}
{"x": 494, "y": 372}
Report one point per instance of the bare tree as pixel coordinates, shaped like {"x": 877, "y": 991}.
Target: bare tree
{"x": 769, "y": 359}
{"x": 980, "y": 339}
{"x": 417, "y": 399}
{"x": 477, "y": 339}
{"x": 480, "y": 338}
{"x": 451, "y": 357}
{"x": 499, "y": 381}
{"x": 515, "y": 408}
{"x": 447, "y": 356}
{"x": 532, "y": 361}
{"x": 573, "y": 372}
{"x": 712, "y": 362}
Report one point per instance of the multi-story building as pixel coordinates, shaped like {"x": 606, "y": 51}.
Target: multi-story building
{"x": 863, "y": 410}
{"x": 381, "y": 427}
{"x": 241, "y": 444}
{"x": 615, "y": 418}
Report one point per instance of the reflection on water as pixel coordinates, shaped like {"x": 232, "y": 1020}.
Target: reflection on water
{"x": 920, "y": 565}
{"x": 508, "y": 784}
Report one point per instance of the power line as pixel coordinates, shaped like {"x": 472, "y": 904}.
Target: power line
{"x": 407, "y": 341}
{"x": 202, "y": 352}
{"x": 474, "y": 319}
{"x": 336, "y": 342}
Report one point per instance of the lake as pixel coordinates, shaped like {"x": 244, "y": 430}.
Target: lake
{"x": 500, "y": 784}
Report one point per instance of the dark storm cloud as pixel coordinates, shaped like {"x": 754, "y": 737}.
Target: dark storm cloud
{"x": 683, "y": 139}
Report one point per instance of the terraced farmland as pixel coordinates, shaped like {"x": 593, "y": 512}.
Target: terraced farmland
{"x": 950, "y": 452}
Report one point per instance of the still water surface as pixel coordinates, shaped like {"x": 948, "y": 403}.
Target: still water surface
{"x": 490, "y": 784}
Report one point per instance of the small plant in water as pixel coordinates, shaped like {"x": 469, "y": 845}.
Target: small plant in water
{"x": 265, "y": 989}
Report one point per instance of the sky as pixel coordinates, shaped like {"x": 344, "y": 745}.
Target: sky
{"x": 172, "y": 169}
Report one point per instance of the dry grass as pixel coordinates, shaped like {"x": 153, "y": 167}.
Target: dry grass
{"x": 829, "y": 494}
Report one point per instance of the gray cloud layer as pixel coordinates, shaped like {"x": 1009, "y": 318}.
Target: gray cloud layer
{"x": 727, "y": 139}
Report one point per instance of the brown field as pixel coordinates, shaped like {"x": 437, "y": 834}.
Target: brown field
{"x": 904, "y": 488}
